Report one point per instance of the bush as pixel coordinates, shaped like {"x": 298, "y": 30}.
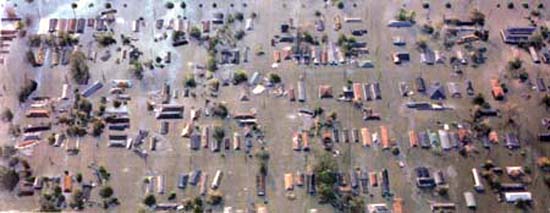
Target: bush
{"x": 274, "y": 78}
{"x": 26, "y": 90}
{"x": 97, "y": 128}
{"x": 77, "y": 200}
{"x": 510, "y": 5}
{"x": 239, "y": 76}
{"x": 448, "y": 5}
{"x": 150, "y": 200}
{"x": 106, "y": 192}
{"x": 218, "y": 134}
{"x": 79, "y": 68}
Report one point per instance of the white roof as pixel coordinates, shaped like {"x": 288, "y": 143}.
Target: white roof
{"x": 515, "y": 196}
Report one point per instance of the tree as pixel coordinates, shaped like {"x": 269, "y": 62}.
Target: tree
{"x": 220, "y": 110}
{"x": 211, "y": 64}
{"x": 189, "y": 81}
{"x": 8, "y": 178}
{"x": 105, "y": 39}
{"x": 97, "y": 127}
{"x": 239, "y": 76}
{"x": 546, "y": 101}
{"x": 28, "y": 87}
{"x": 340, "y": 5}
{"x": 103, "y": 173}
{"x": 77, "y": 200}
{"x": 7, "y": 115}
{"x": 195, "y": 32}
{"x": 219, "y": 133}
{"x": 477, "y": 17}
{"x": 239, "y": 16}
{"x": 515, "y": 64}
{"x": 239, "y": 34}
{"x": 478, "y": 100}
{"x": 106, "y": 192}
{"x": 183, "y": 5}
{"x": 169, "y": 5}
{"x": 74, "y": 5}
{"x": 79, "y": 68}
{"x": 136, "y": 68}
{"x": 79, "y": 177}
{"x": 214, "y": 197}
{"x": 150, "y": 200}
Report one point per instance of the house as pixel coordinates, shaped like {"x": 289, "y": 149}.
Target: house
{"x": 470, "y": 200}
{"x": 436, "y": 92}
{"x": 427, "y": 57}
{"x": 357, "y": 92}
{"x": 541, "y": 86}
{"x": 511, "y": 197}
{"x": 534, "y": 55}
{"x": 325, "y": 91}
{"x": 399, "y": 57}
{"x": 398, "y": 24}
{"x": 544, "y": 137}
{"x": 444, "y": 139}
{"x": 517, "y": 35}
{"x": 454, "y": 91}
{"x": 423, "y": 179}
{"x": 420, "y": 85}
{"x": 512, "y": 141}
{"x": 365, "y": 64}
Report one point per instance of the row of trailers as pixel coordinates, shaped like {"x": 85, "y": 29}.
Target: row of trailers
{"x": 355, "y": 181}
{"x": 75, "y": 25}
{"x": 194, "y": 178}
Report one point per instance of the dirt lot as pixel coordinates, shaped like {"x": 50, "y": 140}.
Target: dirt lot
{"x": 277, "y": 115}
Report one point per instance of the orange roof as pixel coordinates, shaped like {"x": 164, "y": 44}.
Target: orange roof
{"x": 462, "y": 134}
{"x": 67, "y": 183}
{"x": 365, "y": 135}
{"x": 357, "y": 92}
{"x": 305, "y": 140}
{"x": 398, "y": 205}
{"x": 413, "y": 140}
{"x": 384, "y": 137}
{"x": 493, "y": 137}
{"x": 288, "y": 181}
